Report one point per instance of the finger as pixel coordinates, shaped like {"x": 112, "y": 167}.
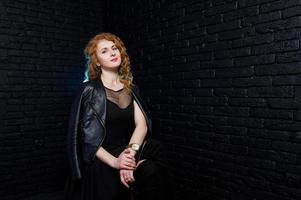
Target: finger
{"x": 129, "y": 177}
{"x": 130, "y": 164}
{"x": 126, "y": 151}
{"x": 128, "y": 160}
{"x": 128, "y": 156}
{"x": 132, "y": 176}
{"x": 124, "y": 182}
{"x": 127, "y": 167}
{"x": 122, "y": 175}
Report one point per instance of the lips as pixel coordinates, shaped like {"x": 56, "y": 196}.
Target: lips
{"x": 114, "y": 59}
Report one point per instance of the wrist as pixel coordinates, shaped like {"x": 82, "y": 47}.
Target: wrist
{"x": 132, "y": 152}
{"x": 115, "y": 163}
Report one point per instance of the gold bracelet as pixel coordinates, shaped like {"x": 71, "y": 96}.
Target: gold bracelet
{"x": 133, "y": 146}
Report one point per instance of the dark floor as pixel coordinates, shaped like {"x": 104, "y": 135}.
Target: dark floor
{"x": 48, "y": 196}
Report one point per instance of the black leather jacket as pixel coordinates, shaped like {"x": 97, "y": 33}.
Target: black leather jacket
{"x": 86, "y": 130}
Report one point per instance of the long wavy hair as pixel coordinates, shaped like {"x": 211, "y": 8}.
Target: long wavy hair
{"x": 124, "y": 71}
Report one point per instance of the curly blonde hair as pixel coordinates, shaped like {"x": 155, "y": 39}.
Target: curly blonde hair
{"x": 124, "y": 71}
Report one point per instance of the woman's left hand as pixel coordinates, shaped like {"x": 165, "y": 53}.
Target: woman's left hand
{"x": 125, "y": 161}
{"x": 126, "y": 177}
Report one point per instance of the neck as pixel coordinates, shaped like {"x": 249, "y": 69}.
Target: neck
{"x": 109, "y": 77}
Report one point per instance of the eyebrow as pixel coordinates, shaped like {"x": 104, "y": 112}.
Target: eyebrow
{"x": 107, "y": 48}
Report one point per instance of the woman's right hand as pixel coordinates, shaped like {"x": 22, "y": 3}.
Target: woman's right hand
{"x": 125, "y": 161}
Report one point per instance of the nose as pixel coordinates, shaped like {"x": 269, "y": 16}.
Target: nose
{"x": 113, "y": 53}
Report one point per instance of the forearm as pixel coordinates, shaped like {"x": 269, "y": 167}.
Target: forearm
{"x": 106, "y": 157}
{"x": 139, "y": 134}
{"x": 140, "y": 131}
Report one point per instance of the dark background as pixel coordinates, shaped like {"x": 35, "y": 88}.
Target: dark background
{"x": 221, "y": 77}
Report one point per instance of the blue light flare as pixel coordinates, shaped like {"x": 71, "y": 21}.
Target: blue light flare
{"x": 86, "y": 78}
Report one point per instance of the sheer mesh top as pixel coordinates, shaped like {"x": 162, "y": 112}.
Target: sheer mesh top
{"x": 120, "y": 122}
{"x": 120, "y": 97}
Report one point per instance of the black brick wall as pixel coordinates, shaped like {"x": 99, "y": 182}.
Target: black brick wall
{"x": 41, "y": 66}
{"x": 223, "y": 81}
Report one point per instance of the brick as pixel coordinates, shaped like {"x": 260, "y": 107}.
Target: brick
{"x": 290, "y": 12}
{"x": 232, "y": 111}
{"x": 270, "y": 134}
{"x": 254, "y": 60}
{"x": 278, "y": 25}
{"x": 283, "y": 46}
{"x": 244, "y": 3}
{"x": 239, "y": 52}
{"x": 219, "y": 45}
{"x": 283, "y": 103}
{"x": 267, "y": 175}
{"x": 229, "y": 92}
{"x": 216, "y": 83}
{"x": 246, "y": 122}
{"x": 249, "y": 102}
{"x": 288, "y": 147}
{"x": 238, "y": 140}
{"x": 278, "y": 5}
{"x": 282, "y": 157}
{"x": 230, "y": 35}
{"x": 244, "y": 12}
{"x": 297, "y": 115}
{"x": 224, "y": 26}
{"x": 210, "y": 101}
{"x": 287, "y": 35}
{"x": 259, "y": 163}
{"x": 254, "y": 40}
{"x": 234, "y": 72}
{"x": 287, "y": 80}
{"x": 222, "y": 63}
{"x": 287, "y": 125}
{"x": 280, "y": 91}
{"x": 278, "y": 68}
{"x": 272, "y": 114}
{"x": 288, "y": 57}
{"x": 252, "y": 81}
{"x": 222, "y": 8}
{"x": 234, "y": 149}
{"x": 198, "y": 74}
{"x": 262, "y": 18}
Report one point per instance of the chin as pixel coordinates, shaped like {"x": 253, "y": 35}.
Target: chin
{"x": 113, "y": 67}
{"x": 117, "y": 64}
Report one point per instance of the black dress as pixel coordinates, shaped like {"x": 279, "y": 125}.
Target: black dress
{"x": 102, "y": 182}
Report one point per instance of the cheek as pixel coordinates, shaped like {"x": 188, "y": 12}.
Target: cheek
{"x": 101, "y": 58}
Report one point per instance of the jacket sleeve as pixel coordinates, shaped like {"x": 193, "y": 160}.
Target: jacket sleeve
{"x": 73, "y": 134}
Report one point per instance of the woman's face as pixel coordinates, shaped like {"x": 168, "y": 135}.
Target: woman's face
{"x": 108, "y": 55}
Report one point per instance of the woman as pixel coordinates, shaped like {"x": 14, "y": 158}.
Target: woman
{"x": 108, "y": 126}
